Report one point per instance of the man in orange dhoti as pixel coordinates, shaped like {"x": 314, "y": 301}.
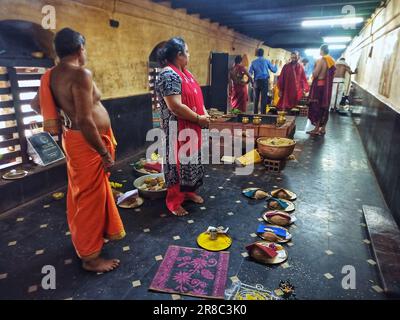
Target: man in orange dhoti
{"x": 68, "y": 94}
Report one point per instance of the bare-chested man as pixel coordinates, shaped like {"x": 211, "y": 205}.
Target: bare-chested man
{"x": 340, "y": 83}
{"x": 321, "y": 92}
{"x": 90, "y": 149}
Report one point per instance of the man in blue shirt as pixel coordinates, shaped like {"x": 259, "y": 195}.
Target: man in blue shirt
{"x": 260, "y": 68}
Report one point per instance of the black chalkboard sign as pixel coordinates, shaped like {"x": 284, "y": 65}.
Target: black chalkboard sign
{"x": 43, "y": 149}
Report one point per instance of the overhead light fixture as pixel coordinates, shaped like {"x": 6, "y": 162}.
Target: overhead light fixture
{"x": 337, "y": 39}
{"x": 332, "y": 22}
{"x": 337, "y": 46}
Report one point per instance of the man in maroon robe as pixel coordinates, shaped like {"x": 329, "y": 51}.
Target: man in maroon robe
{"x": 321, "y": 92}
{"x": 292, "y": 84}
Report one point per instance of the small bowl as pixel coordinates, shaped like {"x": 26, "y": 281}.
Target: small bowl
{"x": 147, "y": 193}
{"x": 245, "y": 120}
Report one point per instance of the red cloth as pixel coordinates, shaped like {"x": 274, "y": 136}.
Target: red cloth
{"x": 321, "y": 94}
{"x": 175, "y": 197}
{"x": 192, "y": 97}
{"x": 156, "y": 166}
{"x": 292, "y": 83}
{"x": 239, "y": 93}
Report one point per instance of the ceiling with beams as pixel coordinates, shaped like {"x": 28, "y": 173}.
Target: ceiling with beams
{"x": 278, "y": 22}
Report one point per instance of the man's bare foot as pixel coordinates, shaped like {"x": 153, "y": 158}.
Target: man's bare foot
{"x": 101, "y": 265}
{"x": 315, "y": 131}
{"x": 180, "y": 212}
{"x": 195, "y": 198}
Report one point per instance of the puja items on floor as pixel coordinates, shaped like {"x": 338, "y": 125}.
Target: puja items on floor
{"x": 286, "y": 290}
{"x": 243, "y": 291}
{"x": 267, "y": 252}
{"x": 116, "y": 185}
{"x": 116, "y": 194}
{"x": 279, "y": 218}
{"x": 272, "y": 233}
{"x": 279, "y": 204}
{"x": 255, "y": 193}
{"x": 283, "y": 194}
{"x": 215, "y": 239}
{"x": 252, "y": 157}
{"x": 58, "y": 195}
{"x": 129, "y": 200}
{"x": 144, "y": 166}
{"x": 153, "y": 184}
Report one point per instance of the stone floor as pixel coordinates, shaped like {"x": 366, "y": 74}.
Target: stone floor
{"x": 331, "y": 176}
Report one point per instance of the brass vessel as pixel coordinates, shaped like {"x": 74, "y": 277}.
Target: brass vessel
{"x": 281, "y": 120}
{"x": 245, "y": 120}
{"x": 257, "y": 120}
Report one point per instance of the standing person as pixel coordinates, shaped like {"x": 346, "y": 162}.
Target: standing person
{"x": 260, "y": 68}
{"x": 292, "y": 84}
{"x": 182, "y": 104}
{"x": 68, "y": 92}
{"x": 239, "y": 85}
{"x": 340, "y": 87}
{"x": 321, "y": 91}
{"x": 306, "y": 64}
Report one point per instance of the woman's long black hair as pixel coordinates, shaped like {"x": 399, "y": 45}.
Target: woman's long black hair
{"x": 168, "y": 53}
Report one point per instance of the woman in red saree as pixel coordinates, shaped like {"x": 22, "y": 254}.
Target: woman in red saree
{"x": 182, "y": 112}
{"x": 238, "y": 85}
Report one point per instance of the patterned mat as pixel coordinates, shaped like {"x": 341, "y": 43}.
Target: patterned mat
{"x": 192, "y": 272}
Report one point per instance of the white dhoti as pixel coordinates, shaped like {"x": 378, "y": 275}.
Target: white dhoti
{"x": 338, "y": 91}
{"x": 347, "y": 84}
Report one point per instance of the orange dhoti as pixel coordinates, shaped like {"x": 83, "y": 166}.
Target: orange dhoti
{"x": 92, "y": 213}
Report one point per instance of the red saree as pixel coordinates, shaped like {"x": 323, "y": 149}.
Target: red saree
{"x": 239, "y": 93}
{"x": 190, "y": 174}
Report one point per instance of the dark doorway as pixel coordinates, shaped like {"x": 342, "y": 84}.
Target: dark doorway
{"x": 219, "y": 81}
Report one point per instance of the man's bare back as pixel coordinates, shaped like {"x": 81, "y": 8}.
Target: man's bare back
{"x": 341, "y": 70}
{"x": 321, "y": 69}
{"x": 68, "y": 85}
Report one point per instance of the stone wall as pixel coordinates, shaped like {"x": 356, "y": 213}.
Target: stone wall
{"x": 375, "y": 53}
{"x": 119, "y": 57}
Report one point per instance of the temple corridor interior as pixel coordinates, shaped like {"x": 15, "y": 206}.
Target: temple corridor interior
{"x": 335, "y": 194}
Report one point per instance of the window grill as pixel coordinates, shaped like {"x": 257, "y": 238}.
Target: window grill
{"x": 19, "y": 84}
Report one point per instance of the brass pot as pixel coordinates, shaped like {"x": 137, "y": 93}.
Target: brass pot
{"x": 281, "y": 120}
{"x": 257, "y": 120}
{"x": 245, "y": 120}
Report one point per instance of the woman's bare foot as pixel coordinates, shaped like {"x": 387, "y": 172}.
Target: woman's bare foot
{"x": 101, "y": 265}
{"x": 195, "y": 198}
{"x": 180, "y": 212}
{"x": 322, "y": 131}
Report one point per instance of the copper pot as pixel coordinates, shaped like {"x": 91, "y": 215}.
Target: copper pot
{"x": 274, "y": 152}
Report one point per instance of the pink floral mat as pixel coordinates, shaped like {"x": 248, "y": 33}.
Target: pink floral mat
{"x": 192, "y": 272}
